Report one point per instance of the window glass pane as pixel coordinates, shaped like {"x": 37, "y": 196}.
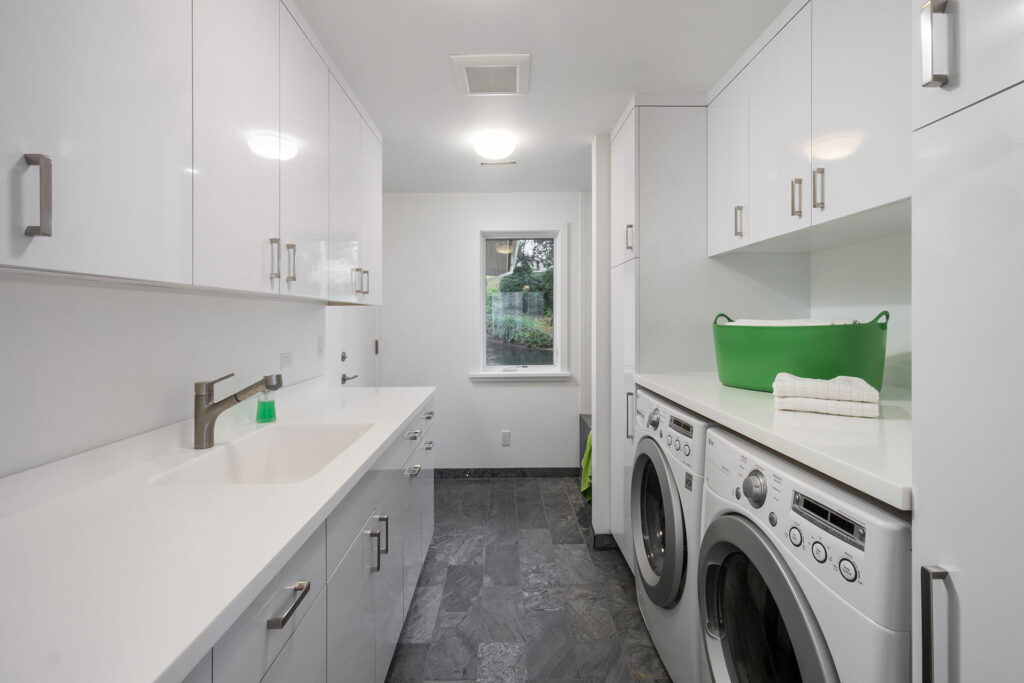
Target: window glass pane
{"x": 519, "y": 280}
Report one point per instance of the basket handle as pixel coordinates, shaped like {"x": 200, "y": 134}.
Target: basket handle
{"x": 878, "y": 319}
{"x": 723, "y": 315}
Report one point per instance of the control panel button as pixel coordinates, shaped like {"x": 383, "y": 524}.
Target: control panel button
{"x": 676, "y": 445}
{"x": 668, "y": 440}
{"x": 795, "y": 537}
{"x": 686, "y": 449}
{"x": 848, "y": 569}
{"x": 737, "y": 492}
{"x": 772, "y": 519}
{"x": 818, "y": 551}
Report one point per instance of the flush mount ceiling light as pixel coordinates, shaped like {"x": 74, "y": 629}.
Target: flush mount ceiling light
{"x": 273, "y": 146}
{"x": 494, "y": 145}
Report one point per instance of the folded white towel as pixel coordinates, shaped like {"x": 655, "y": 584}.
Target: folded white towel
{"x": 796, "y": 322}
{"x": 819, "y": 405}
{"x": 838, "y": 389}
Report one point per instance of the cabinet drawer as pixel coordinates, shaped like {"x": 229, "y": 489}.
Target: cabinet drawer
{"x": 249, "y": 647}
{"x": 348, "y": 518}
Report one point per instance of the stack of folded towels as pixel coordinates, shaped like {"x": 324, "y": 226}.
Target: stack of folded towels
{"x": 850, "y": 396}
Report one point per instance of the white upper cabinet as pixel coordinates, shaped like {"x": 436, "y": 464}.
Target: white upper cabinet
{"x": 304, "y": 188}
{"x": 977, "y": 49}
{"x": 111, "y": 109}
{"x": 371, "y": 216}
{"x": 237, "y": 150}
{"x": 780, "y": 125}
{"x": 860, "y": 121}
{"x": 345, "y": 197}
{"x": 622, "y": 159}
{"x": 728, "y": 206}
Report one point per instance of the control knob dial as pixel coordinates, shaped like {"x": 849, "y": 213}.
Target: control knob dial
{"x": 755, "y": 488}
{"x": 654, "y": 419}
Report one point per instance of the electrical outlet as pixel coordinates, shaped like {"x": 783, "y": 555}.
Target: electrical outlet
{"x": 286, "y": 360}
{"x": 506, "y": 438}
{"x": 320, "y": 346}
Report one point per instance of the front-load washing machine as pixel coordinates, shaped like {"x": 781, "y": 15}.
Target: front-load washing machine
{"x": 799, "y": 580}
{"x": 665, "y": 504}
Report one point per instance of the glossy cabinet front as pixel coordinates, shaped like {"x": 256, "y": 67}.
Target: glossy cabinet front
{"x": 112, "y": 110}
{"x": 623, "y": 240}
{"x": 728, "y": 150}
{"x": 623, "y": 397}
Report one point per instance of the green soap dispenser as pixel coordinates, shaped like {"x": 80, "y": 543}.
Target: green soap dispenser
{"x": 265, "y": 409}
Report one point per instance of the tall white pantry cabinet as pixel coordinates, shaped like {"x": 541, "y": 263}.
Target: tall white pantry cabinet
{"x": 968, "y": 174}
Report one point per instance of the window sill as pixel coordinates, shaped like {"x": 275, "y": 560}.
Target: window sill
{"x": 521, "y": 376}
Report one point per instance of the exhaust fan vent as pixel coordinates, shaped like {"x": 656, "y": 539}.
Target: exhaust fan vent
{"x": 507, "y": 74}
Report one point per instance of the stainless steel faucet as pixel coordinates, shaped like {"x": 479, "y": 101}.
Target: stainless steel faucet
{"x": 207, "y": 411}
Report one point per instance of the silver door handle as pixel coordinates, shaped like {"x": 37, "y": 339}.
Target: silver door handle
{"x": 629, "y": 415}
{"x": 45, "y": 164}
{"x": 348, "y": 378}
{"x": 796, "y": 205}
{"x": 376, "y": 536}
{"x": 357, "y": 277}
{"x": 929, "y": 575}
{"x": 816, "y": 202}
{"x": 629, "y": 236}
{"x": 365, "y": 282}
{"x": 413, "y": 434}
{"x": 428, "y": 446}
{"x": 275, "y": 258}
{"x": 930, "y": 79}
{"x": 387, "y": 533}
{"x": 291, "y": 262}
{"x": 737, "y": 221}
{"x": 300, "y": 587}
{"x": 413, "y": 470}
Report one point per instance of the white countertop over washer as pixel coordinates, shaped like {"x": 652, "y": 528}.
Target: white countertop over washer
{"x": 110, "y": 578}
{"x": 869, "y": 455}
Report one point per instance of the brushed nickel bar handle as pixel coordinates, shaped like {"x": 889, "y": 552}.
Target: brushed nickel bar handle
{"x": 413, "y": 434}
{"x": 45, "y": 164}
{"x": 429, "y": 415}
{"x": 387, "y": 533}
{"x": 300, "y": 587}
{"x": 428, "y": 446}
{"x": 929, "y": 575}
{"x": 930, "y": 79}
{"x": 816, "y": 202}
{"x": 629, "y": 421}
{"x": 366, "y": 281}
{"x": 737, "y": 221}
{"x": 376, "y": 536}
{"x": 291, "y": 262}
{"x": 413, "y": 470}
{"x": 275, "y": 258}
{"x": 796, "y": 189}
{"x": 629, "y": 235}
{"x": 357, "y": 279}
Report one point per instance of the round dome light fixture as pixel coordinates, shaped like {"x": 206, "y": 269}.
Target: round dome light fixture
{"x": 494, "y": 146}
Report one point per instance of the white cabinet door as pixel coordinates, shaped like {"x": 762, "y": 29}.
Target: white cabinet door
{"x": 372, "y": 215}
{"x": 355, "y": 332}
{"x": 304, "y": 657}
{"x": 977, "y": 44}
{"x": 967, "y": 283}
{"x": 623, "y": 181}
{"x": 111, "y": 108}
{"x": 779, "y": 131}
{"x": 428, "y": 458}
{"x": 304, "y": 117}
{"x": 388, "y": 583}
{"x": 236, "y": 128}
{"x": 860, "y": 117}
{"x": 412, "y": 533}
{"x": 728, "y": 208}
{"x": 623, "y": 399}
{"x": 345, "y": 197}
{"x": 350, "y": 619}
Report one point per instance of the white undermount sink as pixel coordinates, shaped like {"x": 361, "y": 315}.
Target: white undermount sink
{"x": 275, "y": 454}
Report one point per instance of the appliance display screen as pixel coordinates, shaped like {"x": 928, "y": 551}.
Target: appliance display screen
{"x": 680, "y": 426}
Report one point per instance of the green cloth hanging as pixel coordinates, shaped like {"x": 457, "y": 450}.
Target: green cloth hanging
{"x": 586, "y": 467}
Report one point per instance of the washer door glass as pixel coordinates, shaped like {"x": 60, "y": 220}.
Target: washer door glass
{"x": 659, "y": 534}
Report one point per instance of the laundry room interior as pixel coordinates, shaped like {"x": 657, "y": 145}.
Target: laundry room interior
{"x": 405, "y": 342}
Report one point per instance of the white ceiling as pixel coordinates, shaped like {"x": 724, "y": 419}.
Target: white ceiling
{"x": 588, "y": 58}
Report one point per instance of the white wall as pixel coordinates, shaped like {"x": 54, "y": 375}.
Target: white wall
{"x": 86, "y": 363}
{"x": 431, "y": 247}
{"x": 861, "y": 280}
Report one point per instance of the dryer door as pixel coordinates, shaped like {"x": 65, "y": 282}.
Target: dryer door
{"x": 659, "y": 532}
{"x": 758, "y": 625}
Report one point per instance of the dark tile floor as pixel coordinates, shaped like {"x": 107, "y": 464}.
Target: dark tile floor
{"x": 510, "y": 592}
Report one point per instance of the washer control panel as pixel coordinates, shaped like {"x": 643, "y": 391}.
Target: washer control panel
{"x": 679, "y": 433}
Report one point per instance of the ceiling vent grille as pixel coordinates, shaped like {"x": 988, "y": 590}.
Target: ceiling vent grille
{"x": 506, "y": 74}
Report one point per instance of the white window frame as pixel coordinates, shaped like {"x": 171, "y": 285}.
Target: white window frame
{"x": 560, "y": 369}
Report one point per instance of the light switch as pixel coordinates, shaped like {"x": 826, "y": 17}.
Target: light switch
{"x": 506, "y": 438}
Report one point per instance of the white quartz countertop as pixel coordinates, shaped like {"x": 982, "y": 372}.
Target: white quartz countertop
{"x": 869, "y": 455}
{"x": 108, "y": 577}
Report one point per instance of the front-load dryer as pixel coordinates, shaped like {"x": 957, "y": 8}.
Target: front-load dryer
{"x": 799, "y": 580}
{"x": 665, "y": 505}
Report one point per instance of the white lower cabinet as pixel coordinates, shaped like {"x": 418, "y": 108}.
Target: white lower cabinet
{"x": 623, "y": 398}
{"x": 389, "y": 582}
{"x": 350, "y": 626}
{"x": 304, "y": 657}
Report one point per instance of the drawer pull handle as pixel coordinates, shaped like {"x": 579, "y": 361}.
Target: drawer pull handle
{"x": 928, "y": 576}
{"x": 737, "y": 221}
{"x": 357, "y": 278}
{"x": 275, "y": 258}
{"x": 930, "y": 79}
{"x": 428, "y": 446}
{"x": 365, "y": 280}
{"x": 376, "y": 536}
{"x": 413, "y": 434}
{"x": 429, "y": 415}
{"x": 629, "y": 237}
{"x": 413, "y": 470}
{"x": 796, "y": 197}
{"x": 300, "y": 587}
{"x": 387, "y": 533}
{"x": 291, "y": 262}
{"x": 818, "y": 203}
{"x": 45, "y": 164}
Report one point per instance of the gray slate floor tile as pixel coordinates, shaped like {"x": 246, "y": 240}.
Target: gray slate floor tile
{"x": 408, "y": 662}
{"x": 462, "y": 588}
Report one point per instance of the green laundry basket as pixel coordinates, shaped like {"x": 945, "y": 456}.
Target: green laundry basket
{"x": 750, "y": 356}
